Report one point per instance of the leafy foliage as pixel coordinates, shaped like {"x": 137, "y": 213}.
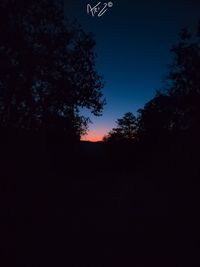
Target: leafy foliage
{"x": 47, "y": 69}
{"x": 176, "y": 110}
{"x": 125, "y": 130}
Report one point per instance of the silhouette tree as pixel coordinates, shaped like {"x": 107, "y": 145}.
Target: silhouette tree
{"x": 126, "y": 129}
{"x": 184, "y": 80}
{"x": 176, "y": 109}
{"x": 47, "y": 69}
{"x": 156, "y": 119}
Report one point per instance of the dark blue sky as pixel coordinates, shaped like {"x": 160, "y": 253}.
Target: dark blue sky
{"x": 133, "y": 42}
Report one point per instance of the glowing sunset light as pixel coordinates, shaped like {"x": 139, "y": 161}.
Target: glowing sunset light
{"x": 92, "y": 138}
{"x": 95, "y": 135}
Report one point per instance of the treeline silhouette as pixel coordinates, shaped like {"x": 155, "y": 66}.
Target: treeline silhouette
{"x": 166, "y": 131}
{"x": 47, "y": 70}
{"x": 129, "y": 190}
{"x": 47, "y": 75}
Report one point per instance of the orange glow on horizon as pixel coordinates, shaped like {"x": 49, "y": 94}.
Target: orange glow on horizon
{"x": 92, "y": 138}
{"x": 96, "y": 133}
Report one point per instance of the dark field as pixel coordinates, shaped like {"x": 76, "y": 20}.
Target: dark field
{"x": 88, "y": 210}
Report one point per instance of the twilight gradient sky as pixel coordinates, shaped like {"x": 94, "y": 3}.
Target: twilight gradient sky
{"x": 133, "y": 42}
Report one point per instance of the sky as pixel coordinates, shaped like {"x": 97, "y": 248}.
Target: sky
{"x": 133, "y": 41}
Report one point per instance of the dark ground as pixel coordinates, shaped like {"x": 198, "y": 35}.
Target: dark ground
{"x": 86, "y": 210}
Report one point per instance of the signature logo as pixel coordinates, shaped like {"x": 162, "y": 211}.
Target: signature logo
{"x": 100, "y": 9}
